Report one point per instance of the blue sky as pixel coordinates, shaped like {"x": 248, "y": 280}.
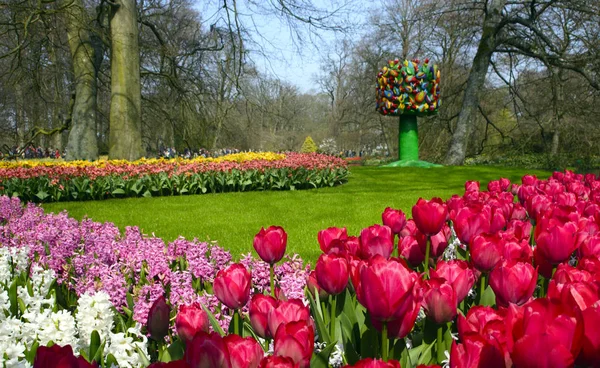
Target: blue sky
{"x": 299, "y": 65}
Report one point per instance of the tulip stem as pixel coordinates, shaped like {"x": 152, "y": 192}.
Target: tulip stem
{"x": 440, "y": 345}
{"x": 426, "y": 262}
{"x": 236, "y": 323}
{"x": 266, "y": 345}
{"x": 384, "y": 342}
{"x": 332, "y": 321}
{"x": 272, "y": 278}
{"x": 482, "y": 287}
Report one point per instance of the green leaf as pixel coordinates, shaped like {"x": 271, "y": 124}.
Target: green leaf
{"x": 94, "y": 343}
{"x": 42, "y": 195}
{"x": 426, "y": 356}
{"x": 315, "y": 308}
{"x": 369, "y": 344}
{"x": 177, "y": 350}
{"x": 147, "y": 194}
{"x": 12, "y": 297}
{"x": 99, "y": 353}
{"x": 118, "y": 191}
{"x": 321, "y": 360}
{"x": 488, "y": 298}
{"x": 213, "y": 321}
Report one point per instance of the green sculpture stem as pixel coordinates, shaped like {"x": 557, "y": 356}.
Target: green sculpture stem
{"x": 408, "y": 138}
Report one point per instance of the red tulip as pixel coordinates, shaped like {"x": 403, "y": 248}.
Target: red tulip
{"x": 332, "y": 273}
{"x": 429, "y": 216}
{"x": 486, "y": 252}
{"x": 439, "y": 300}
{"x": 232, "y": 286}
{"x": 270, "y": 244}
{"x": 277, "y": 362}
{"x": 516, "y": 250}
{"x": 332, "y": 237}
{"x": 158, "y": 319}
{"x": 548, "y": 327}
{"x": 475, "y": 352}
{"x": 472, "y": 186}
{"x": 439, "y": 243}
{"x": 394, "y": 219}
{"x": 543, "y": 266}
{"x": 243, "y": 352}
{"x": 59, "y": 357}
{"x": 190, "y": 319}
{"x": 295, "y": 340}
{"x": 356, "y": 266}
{"x": 590, "y": 247}
{"x": 513, "y": 282}
{"x": 352, "y": 246}
{"x": 590, "y": 352}
{"x": 459, "y": 274}
{"x": 389, "y": 289}
{"x": 472, "y": 221}
{"x": 556, "y": 241}
{"x": 484, "y": 321}
{"x": 374, "y": 363}
{"x": 285, "y": 312}
{"x": 260, "y": 307}
{"x": 207, "y": 351}
{"x": 410, "y": 249}
{"x": 312, "y": 284}
{"x": 579, "y": 294}
{"x": 376, "y": 239}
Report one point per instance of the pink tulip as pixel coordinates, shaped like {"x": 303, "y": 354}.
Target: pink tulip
{"x": 243, "y": 352}
{"x": 270, "y": 244}
{"x": 375, "y": 240}
{"x": 332, "y": 273}
{"x": 207, "y": 350}
{"x": 190, "y": 319}
{"x": 232, "y": 286}
{"x": 429, "y": 216}
{"x": 556, "y": 241}
{"x": 394, "y": 219}
{"x": 295, "y": 340}
{"x": 333, "y": 237}
{"x": 260, "y": 307}
{"x": 439, "y": 300}
{"x": 459, "y": 274}
{"x": 285, "y": 312}
{"x": 513, "y": 282}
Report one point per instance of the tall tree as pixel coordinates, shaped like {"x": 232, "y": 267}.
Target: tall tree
{"x": 125, "y": 141}
{"x": 83, "y": 142}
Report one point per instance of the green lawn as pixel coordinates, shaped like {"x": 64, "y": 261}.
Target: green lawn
{"x": 233, "y": 219}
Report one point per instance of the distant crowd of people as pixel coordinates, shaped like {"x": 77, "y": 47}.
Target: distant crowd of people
{"x": 171, "y": 152}
{"x": 32, "y": 152}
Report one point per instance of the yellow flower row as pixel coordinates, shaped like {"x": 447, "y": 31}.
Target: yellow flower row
{"x": 236, "y": 157}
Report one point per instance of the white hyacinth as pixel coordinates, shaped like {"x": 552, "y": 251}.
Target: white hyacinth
{"x": 94, "y": 313}
{"x": 126, "y": 348}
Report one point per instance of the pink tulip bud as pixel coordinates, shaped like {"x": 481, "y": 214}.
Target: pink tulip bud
{"x": 270, "y": 244}
{"x": 232, "y": 286}
{"x": 190, "y": 319}
{"x": 429, "y": 216}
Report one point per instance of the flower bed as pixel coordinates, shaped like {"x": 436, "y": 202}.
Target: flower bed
{"x": 81, "y": 180}
{"x": 500, "y": 278}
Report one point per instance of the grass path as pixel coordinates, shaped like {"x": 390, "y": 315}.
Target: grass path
{"x": 234, "y": 218}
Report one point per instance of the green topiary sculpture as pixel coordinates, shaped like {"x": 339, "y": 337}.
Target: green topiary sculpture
{"x": 408, "y": 90}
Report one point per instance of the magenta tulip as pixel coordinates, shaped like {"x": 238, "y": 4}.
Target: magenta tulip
{"x": 375, "y": 240}
{"x": 472, "y": 221}
{"x": 439, "y": 300}
{"x": 332, "y": 273}
{"x": 556, "y": 241}
{"x": 458, "y": 274}
{"x": 232, "y": 286}
{"x": 394, "y": 219}
{"x": 295, "y": 340}
{"x": 590, "y": 352}
{"x": 285, "y": 312}
{"x": 190, "y": 319}
{"x": 332, "y": 237}
{"x": 312, "y": 284}
{"x": 260, "y": 307}
{"x": 277, "y": 362}
{"x": 486, "y": 252}
{"x": 513, "y": 282}
{"x": 243, "y": 352}
{"x": 270, "y": 244}
{"x": 389, "y": 289}
{"x": 475, "y": 352}
{"x": 374, "y": 363}
{"x": 207, "y": 350}
{"x": 429, "y": 216}
{"x": 57, "y": 357}
{"x": 158, "y": 319}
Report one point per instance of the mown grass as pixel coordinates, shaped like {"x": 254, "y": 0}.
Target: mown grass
{"x": 233, "y": 219}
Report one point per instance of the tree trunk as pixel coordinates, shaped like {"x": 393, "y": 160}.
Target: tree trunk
{"x": 469, "y": 110}
{"x": 125, "y": 137}
{"x": 557, "y": 102}
{"x": 83, "y": 142}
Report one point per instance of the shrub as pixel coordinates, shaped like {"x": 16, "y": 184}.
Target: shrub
{"x": 308, "y": 146}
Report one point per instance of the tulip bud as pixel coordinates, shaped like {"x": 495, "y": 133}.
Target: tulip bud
{"x": 158, "y": 319}
{"x": 207, "y": 350}
{"x": 376, "y": 239}
{"x": 260, "y": 307}
{"x": 332, "y": 273}
{"x": 190, "y": 319}
{"x": 439, "y": 300}
{"x": 270, "y": 244}
{"x": 333, "y": 236}
{"x": 394, "y": 219}
{"x": 232, "y": 286}
{"x": 429, "y": 216}
{"x": 285, "y": 312}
